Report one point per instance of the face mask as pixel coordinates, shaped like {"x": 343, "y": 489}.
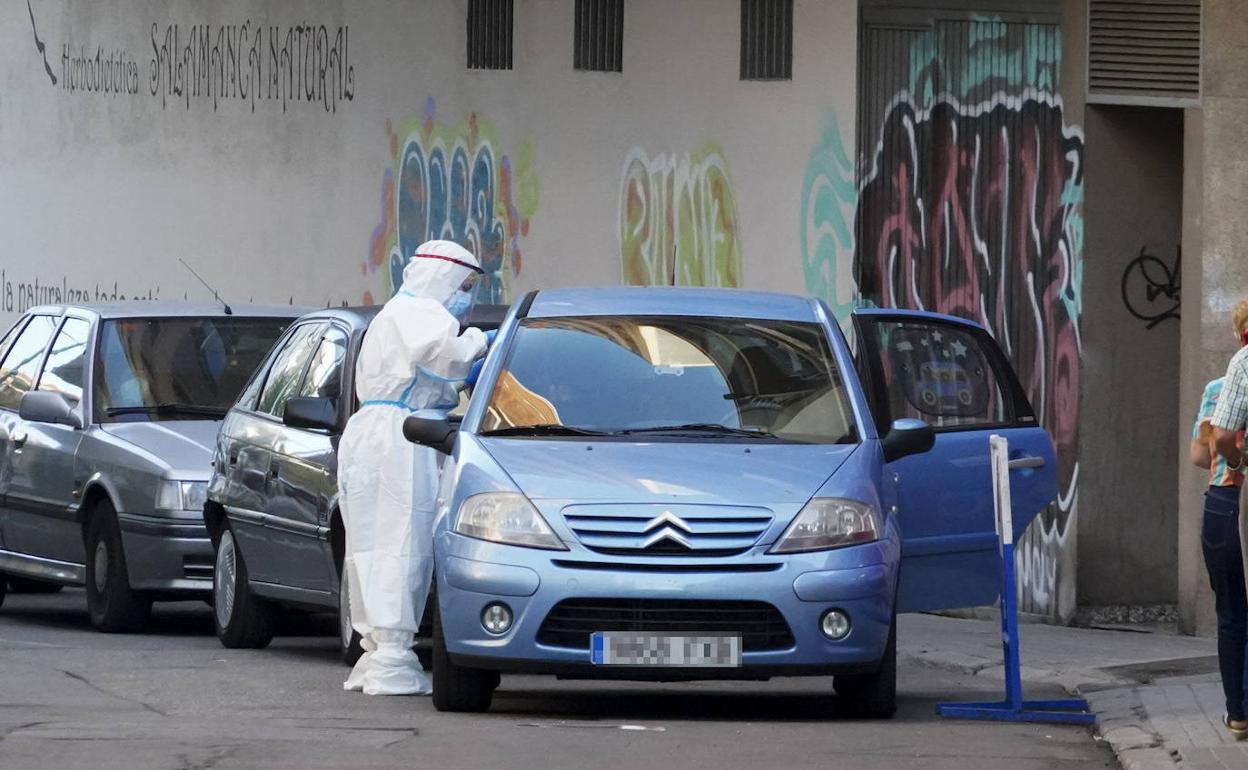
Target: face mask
{"x": 459, "y": 304}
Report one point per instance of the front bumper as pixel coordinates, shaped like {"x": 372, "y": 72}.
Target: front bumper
{"x": 167, "y": 555}
{"x": 472, "y": 573}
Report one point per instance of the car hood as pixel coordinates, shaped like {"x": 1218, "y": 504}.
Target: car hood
{"x": 717, "y": 473}
{"x": 184, "y": 445}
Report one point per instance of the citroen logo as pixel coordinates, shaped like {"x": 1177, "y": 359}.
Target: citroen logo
{"x": 667, "y": 526}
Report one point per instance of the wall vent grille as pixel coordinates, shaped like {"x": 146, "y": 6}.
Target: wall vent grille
{"x": 1144, "y": 52}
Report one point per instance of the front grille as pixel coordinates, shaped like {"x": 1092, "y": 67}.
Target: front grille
{"x": 654, "y": 530}
{"x": 650, "y": 566}
{"x": 760, "y": 625}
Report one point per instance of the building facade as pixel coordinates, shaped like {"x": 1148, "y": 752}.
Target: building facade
{"x": 1035, "y": 165}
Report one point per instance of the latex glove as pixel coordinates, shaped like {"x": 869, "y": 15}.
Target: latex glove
{"x": 490, "y": 335}
{"x": 474, "y": 372}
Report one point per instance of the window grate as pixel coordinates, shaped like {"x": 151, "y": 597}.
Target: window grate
{"x": 766, "y": 39}
{"x": 1144, "y": 52}
{"x": 489, "y": 34}
{"x": 599, "y": 44}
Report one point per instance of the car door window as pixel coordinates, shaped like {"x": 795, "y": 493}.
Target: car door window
{"x": 7, "y": 341}
{"x": 942, "y": 373}
{"x": 324, "y": 377}
{"x": 286, "y": 373}
{"x": 21, "y": 365}
{"x": 63, "y": 373}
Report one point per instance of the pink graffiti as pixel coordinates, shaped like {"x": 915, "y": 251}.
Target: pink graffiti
{"x": 973, "y": 211}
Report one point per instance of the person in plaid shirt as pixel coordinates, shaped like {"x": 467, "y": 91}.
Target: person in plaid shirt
{"x": 1217, "y": 444}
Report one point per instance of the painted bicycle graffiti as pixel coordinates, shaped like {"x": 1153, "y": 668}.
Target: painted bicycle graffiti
{"x": 1150, "y": 288}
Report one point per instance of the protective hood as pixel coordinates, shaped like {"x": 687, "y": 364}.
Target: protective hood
{"x": 437, "y": 269}
{"x": 413, "y": 355}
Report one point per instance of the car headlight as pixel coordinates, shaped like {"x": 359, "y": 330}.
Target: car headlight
{"x": 506, "y": 517}
{"x": 828, "y": 522}
{"x": 174, "y": 495}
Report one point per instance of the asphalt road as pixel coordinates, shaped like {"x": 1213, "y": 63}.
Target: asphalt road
{"x": 174, "y": 698}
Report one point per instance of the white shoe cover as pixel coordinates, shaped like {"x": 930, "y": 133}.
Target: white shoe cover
{"x": 391, "y": 669}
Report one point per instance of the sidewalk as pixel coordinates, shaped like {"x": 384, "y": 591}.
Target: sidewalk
{"x": 1157, "y": 696}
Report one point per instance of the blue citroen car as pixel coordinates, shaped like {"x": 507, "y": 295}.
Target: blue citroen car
{"x": 678, "y": 484}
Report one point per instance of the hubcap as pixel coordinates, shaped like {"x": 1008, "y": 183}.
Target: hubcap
{"x": 226, "y": 576}
{"x": 101, "y": 566}
{"x": 344, "y": 613}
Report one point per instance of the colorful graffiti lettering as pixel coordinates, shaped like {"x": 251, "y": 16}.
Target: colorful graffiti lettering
{"x": 828, "y": 200}
{"x": 968, "y": 202}
{"x": 979, "y": 224}
{"x": 450, "y": 182}
{"x": 678, "y": 221}
{"x": 981, "y": 57}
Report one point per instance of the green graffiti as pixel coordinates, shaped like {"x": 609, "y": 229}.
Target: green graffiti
{"x": 829, "y": 197}
{"x": 991, "y": 56}
{"x": 678, "y": 220}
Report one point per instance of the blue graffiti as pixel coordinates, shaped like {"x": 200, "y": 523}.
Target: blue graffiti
{"x": 452, "y": 201}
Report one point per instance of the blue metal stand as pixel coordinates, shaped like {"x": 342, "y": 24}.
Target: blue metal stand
{"x": 1013, "y": 708}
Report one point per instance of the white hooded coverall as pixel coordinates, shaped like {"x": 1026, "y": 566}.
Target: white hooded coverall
{"x": 413, "y": 357}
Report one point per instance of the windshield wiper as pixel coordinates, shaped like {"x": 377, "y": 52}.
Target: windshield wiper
{"x": 709, "y": 428}
{"x": 544, "y": 430}
{"x": 163, "y": 409}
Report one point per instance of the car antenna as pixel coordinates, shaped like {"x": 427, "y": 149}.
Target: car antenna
{"x": 215, "y": 295}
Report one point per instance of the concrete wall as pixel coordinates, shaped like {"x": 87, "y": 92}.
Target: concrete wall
{"x": 1127, "y": 551}
{"x": 292, "y": 151}
{"x": 1197, "y": 366}
{"x": 1220, "y": 278}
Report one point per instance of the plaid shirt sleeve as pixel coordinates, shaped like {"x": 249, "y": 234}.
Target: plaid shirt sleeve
{"x": 1232, "y": 410}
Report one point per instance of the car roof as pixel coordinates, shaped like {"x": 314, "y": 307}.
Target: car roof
{"x": 360, "y": 316}
{"x": 172, "y": 309}
{"x": 671, "y": 301}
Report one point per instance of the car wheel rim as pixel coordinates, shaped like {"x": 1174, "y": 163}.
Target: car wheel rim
{"x": 101, "y": 566}
{"x": 226, "y": 577}
{"x": 344, "y": 614}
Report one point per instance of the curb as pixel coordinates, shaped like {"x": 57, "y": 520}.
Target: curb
{"x": 1121, "y": 720}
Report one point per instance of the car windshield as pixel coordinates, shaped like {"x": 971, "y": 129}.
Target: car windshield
{"x": 177, "y": 368}
{"x": 670, "y": 377}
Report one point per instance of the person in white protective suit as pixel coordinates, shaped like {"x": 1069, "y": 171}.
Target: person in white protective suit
{"x": 413, "y": 357}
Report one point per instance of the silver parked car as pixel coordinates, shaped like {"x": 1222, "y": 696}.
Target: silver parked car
{"x": 108, "y": 419}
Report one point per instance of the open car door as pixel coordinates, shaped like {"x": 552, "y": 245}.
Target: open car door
{"x": 950, "y": 373}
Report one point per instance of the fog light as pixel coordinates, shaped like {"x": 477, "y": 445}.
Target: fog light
{"x": 496, "y": 618}
{"x": 834, "y": 624}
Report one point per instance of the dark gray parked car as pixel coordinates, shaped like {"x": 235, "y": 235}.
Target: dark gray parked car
{"x": 108, "y": 417}
{"x": 272, "y": 505}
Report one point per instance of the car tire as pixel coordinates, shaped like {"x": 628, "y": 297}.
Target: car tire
{"x": 456, "y": 688}
{"x": 348, "y": 638}
{"x": 242, "y": 619}
{"x": 874, "y": 695}
{"x": 113, "y": 605}
{"x": 4, "y": 587}
{"x": 24, "y": 585}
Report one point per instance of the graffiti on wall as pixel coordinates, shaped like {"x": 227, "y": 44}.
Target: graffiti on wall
{"x": 1150, "y": 288}
{"x": 252, "y": 62}
{"x": 678, "y": 220}
{"x": 39, "y": 45}
{"x": 968, "y": 202}
{"x": 452, "y": 182}
{"x": 247, "y": 63}
{"x": 829, "y": 197}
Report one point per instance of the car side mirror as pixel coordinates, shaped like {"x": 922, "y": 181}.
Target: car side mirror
{"x": 431, "y": 428}
{"x": 907, "y": 437}
{"x": 311, "y": 413}
{"x": 47, "y": 406}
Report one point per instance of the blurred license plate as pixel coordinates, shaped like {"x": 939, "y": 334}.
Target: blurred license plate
{"x": 617, "y": 648}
